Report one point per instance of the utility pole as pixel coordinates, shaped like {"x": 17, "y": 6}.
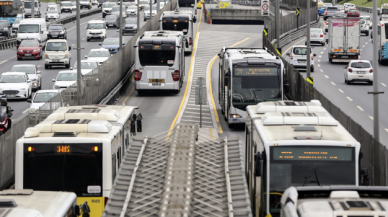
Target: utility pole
{"x": 121, "y": 25}
{"x": 150, "y": 9}
{"x": 32, "y": 8}
{"x": 277, "y": 23}
{"x": 138, "y": 15}
{"x": 308, "y": 67}
{"x": 158, "y": 5}
{"x": 78, "y": 53}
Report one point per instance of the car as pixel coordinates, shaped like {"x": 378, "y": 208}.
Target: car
{"x": 33, "y": 74}
{"x": 15, "y": 24}
{"x": 57, "y": 53}
{"x": 130, "y": 26}
{"x": 321, "y": 10}
{"x": 65, "y": 79}
{"x": 73, "y": 5}
{"x": 99, "y": 55}
{"x": 341, "y": 8}
{"x": 41, "y": 97}
{"x": 316, "y": 36}
{"x": 131, "y": 11}
{"x": 107, "y": 8}
{"x": 353, "y": 13}
{"x": 298, "y": 57}
{"x": 358, "y": 71}
{"x": 96, "y": 29}
{"x": 364, "y": 27}
{"x": 15, "y": 85}
{"x": 85, "y": 4}
{"x": 52, "y": 15}
{"x": 349, "y": 6}
{"x": 112, "y": 44}
{"x": 57, "y": 31}
{"x": 66, "y": 7}
{"x": 143, "y": 4}
{"x": 29, "y": 49}
{"x": 116, "y": 11}
{"x": 4, "y": 28}
{"x": 110, "y": 20}
{"x": 368, "y": 21}
{"x": 86, "y": 66}
{"x": 161, "y": 5}
{"x": 326, "y": 26}
{"x": 147, "y": 12}
{"x": 94, "y": 2}
{"x": 330, "y": 12}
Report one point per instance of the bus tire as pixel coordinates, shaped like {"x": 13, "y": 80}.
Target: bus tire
{"x": 367, "y": 33}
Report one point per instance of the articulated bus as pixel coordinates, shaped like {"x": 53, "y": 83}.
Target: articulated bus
{"x": 295, "y": 144}
{"x": 247, "y": 76}
{"x": 382, "y": 31}
{"x": 9, "y": 9}
{"x": 76, "y": 149}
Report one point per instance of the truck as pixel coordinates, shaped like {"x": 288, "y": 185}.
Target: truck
{"x": 344, "y": 39}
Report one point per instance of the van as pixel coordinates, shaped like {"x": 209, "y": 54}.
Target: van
{"x": 66, "y": 6}
{"x": 27, "y": 9}
{"x": 57, "y": 53}
{"x": 34, "y": 28}
{"x": 159, "y": 61}
{"x": 96, "y": 29}
{"x": 298, "y": 57}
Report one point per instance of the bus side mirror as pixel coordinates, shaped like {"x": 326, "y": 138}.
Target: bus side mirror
{"x": 194, "y": 19}
{"x": 258, "y": 163}
{"x": 138, "y": 122}
{"x": 286, "y": 88}
{"x": 133, "y": 124}
{"x": 77, "y": 210}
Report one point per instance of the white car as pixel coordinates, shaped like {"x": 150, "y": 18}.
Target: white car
{"x": 52, "y": 15}
{"x": 107, "y": 8}
{"x": 364, "y": 27}
{"x": 143, "y": 4}
{"x": 316, "y": 36}
{"x": 131, "y": 11}
{"x": 116, "y": 11}
{"x": 66, "y": 6}
{"x": 15, "y": 24}
{"x": 359, "y": 70}
{"x": 368, "y": 20}
{"x": 41, "y": 97}
{"x": 99, "y": 55}
{"x": 33, "y": 74}
{"x": 86, "y": 66}
{"x": 94, "y": 2}
{"x": 96, "y": 29}
{"x": 15, "y": 85}
{"x": 326, "y": 26}
{"x": 327, "y": 4}
{"x": 57, "y": 53}
{"x": 147, "y": 12}
{"x": 73, "y": 6}
{"x": 298, "y": 57}
{"x": 65, "y": 79}
{"x": 349, "y": 6}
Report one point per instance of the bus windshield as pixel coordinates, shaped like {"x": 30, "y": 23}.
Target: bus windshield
{"x": 176, "y": 25}
{"x": 6, "y": 9}
{"x": 157, "y": 55}
{"x": 65, "y": 163}
{"x": 251, "y": 85}
{"x": 384, "y": 11}
{"x": 186, "y": 3}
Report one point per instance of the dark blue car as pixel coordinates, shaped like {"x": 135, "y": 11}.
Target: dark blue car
{"x": 112, "y": 44}
{"x": 321, "y": 10}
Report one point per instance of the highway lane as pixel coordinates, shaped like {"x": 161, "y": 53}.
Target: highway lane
{"x": 8, "y": 58}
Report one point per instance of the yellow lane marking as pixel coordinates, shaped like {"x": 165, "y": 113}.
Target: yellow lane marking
{"x": 188, "y": 78}
{"x": 130, "y": 93}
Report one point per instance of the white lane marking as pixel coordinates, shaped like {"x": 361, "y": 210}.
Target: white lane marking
{"x": 25, "y": 111}
{"x": 322, "y": 52}
{"x": 324, "y": 48}
{"x": 332, "y": 83}
{"x": 319, "y": 60}
{"x": 386, "y": 129}
{"x": 38, "y": 66}
{"x": 383, "y": 84}
{"x": 82, "y": 24}
{"x": 326, "y": 76}
{"x": 291, "y": 46}
{"x": 319, "y": 65}
{"x": 371, "y": 117}
{"x": 360, "y": 108}
{"x": 341, "y": 91}
{"x": 350, "y": 99}
{"x": 73, "y": 45}
{"x": 83, "y": 39}
{"x": 370, "y": 39}
{"x": 366, "y": 43}
{"x": 319, "y": 56}
{"x": 363, "y": 45}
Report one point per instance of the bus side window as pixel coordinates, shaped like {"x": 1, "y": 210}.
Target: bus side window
{"x": 113, "y": 167}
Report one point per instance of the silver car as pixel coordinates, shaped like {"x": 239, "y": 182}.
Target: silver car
{"x": 130, "y": 26}
{"x": 116, "y": 11}
{"x": 316, "y": 36}
{"x": 33, "y": 74}
{"x": 131, "y": 11}
{"x": 331, "y": 11}
{"x": 52, "y": 15}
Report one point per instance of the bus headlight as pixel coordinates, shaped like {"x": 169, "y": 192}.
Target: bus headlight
{"x": 234, "y": 116}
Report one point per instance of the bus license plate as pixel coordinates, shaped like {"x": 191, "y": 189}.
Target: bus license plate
{"x": 156, "y": 80}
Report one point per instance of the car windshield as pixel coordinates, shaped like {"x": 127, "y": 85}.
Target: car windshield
{"x": 17, "y": 21}
{"x": 111, "y": 17}
{"x": 332, "y": 9}
{"x": 56, "y": 46}
{"x": 73, "y": 3}
{"x": 28, "y": 28}
{"x": 111, "y": 41}
{"x": 132, "y": 8}
{"x": 353, "y": 11}
{"x": 315, "y": 30}
{"x": 52, "y": 12}
{"x": 115, "y": 9}
{"x": 300, "y": 51}
{"x": 54, "y": 27}
{"x": 13, "y": 79}
{"x": 130, "y": 21}
{"x": 108, "y": 5}
{"x": 67, "y": 77}
{"x": 144, "y": 2}
{"x": 360, "y": 65}
{"x": 99, "y": 53}
{"x": 147, "y": 9}
{"x": 26, "y": 69}
{"x": 86, "y": 65}
{"x": 29, "y": 43}
{"x": 4, "y": 24}
{"x": 44, "y": 97}
{"x": 66, "y": 4}
{"x": 96, "y": 26}
{"x": 322, "y": 7}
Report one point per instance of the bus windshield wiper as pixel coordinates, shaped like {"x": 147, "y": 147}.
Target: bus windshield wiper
{"x": 316, "y": 177}
{"x": 253, "y": 91}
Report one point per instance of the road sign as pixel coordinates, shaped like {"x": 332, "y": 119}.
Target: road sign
{"x": 265, "y": 30}
{"x": 310, "y": 80}
{"x": 221, "y": 5}
{"x": 200, "y": 96}
{"x": 297, "y": 12}
{"x": 122, "y": 21}
{"x": 265, "y": 7}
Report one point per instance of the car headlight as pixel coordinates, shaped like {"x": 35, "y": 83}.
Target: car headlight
{"x": 35, "y": 84}
{"x": 66, "y": 56}
{"x": 20, "y": 50}
{"x": 234, "y": 116}
{"x": 63, "y": 32}
{"x": 22, "y": 88}
{"x": 35, "y": 50}
{"x": 46, "y": 56}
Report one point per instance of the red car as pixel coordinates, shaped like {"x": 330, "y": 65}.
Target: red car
{"x": 29, "y": 49}
{"x": 353, "y": 13}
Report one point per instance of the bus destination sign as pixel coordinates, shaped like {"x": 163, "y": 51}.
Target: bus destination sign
{"x": 264, "y": 71}
{"x": 316, "y": 153}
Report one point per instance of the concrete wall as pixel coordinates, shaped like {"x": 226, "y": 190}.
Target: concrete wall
{"x": 236, "y": 16}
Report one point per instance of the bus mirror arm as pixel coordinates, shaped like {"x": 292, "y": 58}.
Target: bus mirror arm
{"x": 286, "y": 88}
{"x": 138, "y": 122}
{"x": 133, "y": 124}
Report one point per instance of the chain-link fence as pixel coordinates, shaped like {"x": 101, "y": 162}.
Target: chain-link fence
{"x": 94, "y": 87}
{"x": 374, "y": 154}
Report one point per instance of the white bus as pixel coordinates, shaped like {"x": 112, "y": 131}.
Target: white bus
{"x": 295, "y": 144}
{"x": 382, "y": 31}
{"x": 180, "y": 20}
{"x": 247, "y": 76}
{"x": 76, "y": 149}
{"x": 29, "y": 203}
{"x": 160, "y": 61}
{"x": 351, "y": 201}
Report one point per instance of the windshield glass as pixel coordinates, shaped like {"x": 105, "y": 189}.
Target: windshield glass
{"x": 4, "y": 24}
{"x": 44, "y": 97}
{"x": 28, "y": 4}
{"x": 29, "y": 43}
{"x": 63, "y": 162}
{"x": 96, "y": 26}
{"x": 384, "y": 11}
{"x": 132, "y": 8}
{"x": 99, "y": 53}
{"x": 17, "y": 21}
{"x": 111, "y": 41}
{"x": 360, "y": 65}
{"x": 315, "y": 31}
{"x": 28, "y": 28}
{"x": 67, "y": 76}
{"x": 66, "y": 4}
{"x": 144, "y": 2}
{"x": 176, "y": 25}
{"x": 86, "y": 65}
{"x": 111, "y": 17}
{"x": 13, "y": 79}
{"x": 26, "y": 69}
{"x": 54, "y": 27}
{"x": 115, "y": 9}
{"x": 108, "y": 5}
{"x": 251, "y": 85}
{"x": 147, "y": 9}
{"x": 56, "y": 46}
{"x": 157, "y": 55}
{"x": 52, "y": 12}
{"x": 301, "y": 51}
{"x": 322, "y": 7}
{"x": 332, "y": 9}
{"x": 130, "y": 21}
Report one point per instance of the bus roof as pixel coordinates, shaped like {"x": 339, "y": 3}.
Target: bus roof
{"x": 37, "y": 203}
{"x": 178, "y": 13}
{"x": 245, "y": 54}
{"x": 161, "y": 35}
